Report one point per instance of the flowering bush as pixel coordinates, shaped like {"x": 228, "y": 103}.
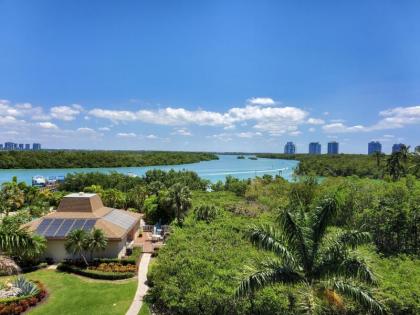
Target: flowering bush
{"x": 114, "y": 267}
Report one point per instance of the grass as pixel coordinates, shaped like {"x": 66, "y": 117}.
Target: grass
{"x": 71, "y": 294}
{"x": 144, "y": 309}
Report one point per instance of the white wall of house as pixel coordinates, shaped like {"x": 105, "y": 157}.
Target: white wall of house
{"x": 57, "y": 251}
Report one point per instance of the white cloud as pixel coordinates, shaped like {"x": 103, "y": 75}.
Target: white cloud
{"x": 65, "y": 113}
{"x": 312, "y": 129}
{"x": 295, "y": 133}
{"x": 181, "y": 132}
{"x": 248, "y": 134}
{"x": 151, "y": 136}
{"x": 262, "y": 101}
{"x": 85, "y": 130}
{"x": 341, "y": 128}
{"x": 394, "y": 118}
{"x": 270, "y": 119}
{"x": 126, "y": 135}
{"x": 104, "y": 129}
{"x": 221, "y": 137}
{"x": 315, "y": 121}
{"x": 47, "y": 125}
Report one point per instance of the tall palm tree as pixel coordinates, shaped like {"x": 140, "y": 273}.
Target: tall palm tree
{"x": 308, "y": 255}
{"x": 395, "y": 165}
{"x": 378, "y": 156}
{"x": 180, "y": 199}
{"x": 96, "y": 240}
{"x": 76, "y": 243}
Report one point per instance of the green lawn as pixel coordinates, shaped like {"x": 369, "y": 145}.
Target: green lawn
{"x": 145, "y": 310}
{"x": 71, "y": 294}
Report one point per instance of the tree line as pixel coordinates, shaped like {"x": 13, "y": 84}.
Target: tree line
{"x": 76, "y": 159}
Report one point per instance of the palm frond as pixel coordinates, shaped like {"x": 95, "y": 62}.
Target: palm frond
{"x": 268, "y": 238}
{"x": 272, "y": 271}
{"x": 295, "y": 236}
{"x": 354, "y": 238}
{"x": 322, "y": 217}
{"x": 359, "y": 295}
{"x": 344, "y": 266}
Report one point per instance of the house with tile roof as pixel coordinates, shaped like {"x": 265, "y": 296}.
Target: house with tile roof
{"x": 86, "y": 211}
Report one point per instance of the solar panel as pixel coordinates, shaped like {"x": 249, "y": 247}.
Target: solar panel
{"x": 65, "y": 228}
{"x": 43, "y": 226}
{"x": 90, "y": 223}
{"x": 53, "y": 227}
{"x": 78, "y": 224}
{"x": 120, "y": 218}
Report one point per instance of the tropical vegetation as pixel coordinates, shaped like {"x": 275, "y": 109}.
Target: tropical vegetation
{"x": 77, "y": 158}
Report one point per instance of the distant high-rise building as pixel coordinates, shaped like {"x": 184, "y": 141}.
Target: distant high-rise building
{"x": 9, "y": 146}
{"x": 27, "y": 146}
{"x": 374, "y": 146}
{"x": 289, "y": 148}
{"x": 314, "y": 148}
{"x": 397, "y": 147}
{"x": 15, "y": 146}
{"x": 333, "y": 147}
{"x": 1, "y": 146}
{"x": 36, "y": 146}
{"x": 21, "y": 146}
{"x": 417, "y": 149}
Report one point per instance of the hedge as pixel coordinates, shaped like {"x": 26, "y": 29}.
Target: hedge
{"x": 94, "y": 274}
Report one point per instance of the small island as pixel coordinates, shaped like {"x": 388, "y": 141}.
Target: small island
{"x": 240, "y": 157}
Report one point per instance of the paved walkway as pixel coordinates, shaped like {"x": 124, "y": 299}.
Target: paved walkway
{"x": 142, "y": 286}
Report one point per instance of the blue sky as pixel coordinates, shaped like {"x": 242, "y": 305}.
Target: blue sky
{"x": 210, "y": 75}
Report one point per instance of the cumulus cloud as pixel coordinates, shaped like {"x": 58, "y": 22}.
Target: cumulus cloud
{"x": 342, "y": 128}
{"x": 151, "y": 136}
{"x": 393, "y": 118}
{"x": 315, "y": 121}
{"x": 126, "y": 135}
{"x": 47, "y": 125}
{"x": 66, "y": 113}
{"x": 270, "y": 119}
{"x": 181, "y": 132}
{"x": 262, "y": 101}
{"x": 248, "y": 134}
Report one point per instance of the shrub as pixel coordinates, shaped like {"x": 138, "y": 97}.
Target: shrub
{"x": 94, "y": 274}
{"x": 114, "y": 267}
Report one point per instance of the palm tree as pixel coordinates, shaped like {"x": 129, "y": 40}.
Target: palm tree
{"x": 96, "y": 240}
{"x": 18, "y": 243}
{"x": 180, "y": 199}
{"x": 307, "y": 255}
{"x": 395, "y": 166}
{"x": 378, "y": 156}
{"x": 76, "y": 243}
{"x": 11, "y": 196}
{"x": 15, "y": 240}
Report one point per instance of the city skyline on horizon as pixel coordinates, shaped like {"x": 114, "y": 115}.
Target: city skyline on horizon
{"x": 248, "y": 77}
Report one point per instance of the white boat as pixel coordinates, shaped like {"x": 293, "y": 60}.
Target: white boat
{"x": 39, "y": 181}
{"x": 129, "y": 174}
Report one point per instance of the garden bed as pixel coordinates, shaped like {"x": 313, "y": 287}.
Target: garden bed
{"x": 19, "y": 304}
{"x": 104, "y": 271}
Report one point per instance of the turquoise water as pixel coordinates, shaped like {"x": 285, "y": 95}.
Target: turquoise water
{"x": 212, "y": 170}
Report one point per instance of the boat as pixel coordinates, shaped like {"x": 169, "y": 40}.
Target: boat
{"x": 253, "y": 158}
{"x": 39, "y": 181}
{"x": 130, "y": 174}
